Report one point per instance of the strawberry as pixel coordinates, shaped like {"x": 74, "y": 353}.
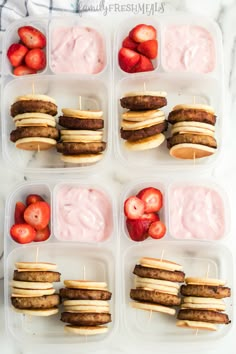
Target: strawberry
{"x": 129, "y": 43}
{"x": 23, "y": 70}
{"x": 152, "y": 199}
{"x": 142, "y": 33}
{"x": 16, "y": 53}
{"x": 19, "y": 213}
{"x": 137, "y": 229}
{"x": 36, "y": 59}
{"x": 42, "y": 235}
{"x": 133, "y": 208}
{"x": 128, "y": 59}
{"x": 151, "y": 217}
{"x": 33, "y": 198}
{"x": 144, "y": 64}
{"x": 157, "y": 229}
{"x": 148, "y": 48}
{"x": 37, "y": 215}
{"x": 32, "y": 37}
{"x": 22, "y": 233}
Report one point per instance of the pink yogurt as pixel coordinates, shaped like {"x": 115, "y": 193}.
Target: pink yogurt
{"x": 77, "y": 50}
{"x": 83, "y": 215}
{"x": 188, "y": 48}
{"x": 196, "y": 212}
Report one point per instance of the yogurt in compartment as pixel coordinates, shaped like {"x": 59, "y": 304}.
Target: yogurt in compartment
{"x": 196, "y": 212}
{"x": 188, "y": 48}
{"x": 82, "y": 215}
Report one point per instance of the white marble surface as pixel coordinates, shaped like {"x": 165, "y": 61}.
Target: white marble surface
{"x": 224, "y": 12}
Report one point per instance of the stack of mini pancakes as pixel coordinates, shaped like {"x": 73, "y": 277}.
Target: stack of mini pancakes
{"x": 86, "y": 307}
{"x": 34, "y": 118}
{"x": 32, "y": 289}
{"x": 82, "y": 140}
{"x": 192, "y": 132}
{"x": 142, "y": 126}
{"x": 202, "y": 304}
{"x": 157, "y": 285}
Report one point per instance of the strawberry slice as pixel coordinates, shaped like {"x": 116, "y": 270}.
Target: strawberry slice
{"x": 127, "y": 59}
{"x": 142, "y": 33}
{"x": 134, "y": 208}
{"x": 37, "y": 215}
{"x": 36, "y": 59}
{"x": 157, "y": 229}
{"x": 144, "y": 64}
{"x": 33, "y": 198}
{"x": 148, "y": 48}
{"x": 137, "y": 229}
{"x": 16, "y": 53}
{"x": 23, "y": 70}
{"x": 129, "y": 43}
{"x": 151, "y": 217}
{"x": 32, "y": 37}
{"x": 42, "y": 235}
{"x": 19, "y": 213}
{"x": 22, "y": 233}
{"x": 152, "y": 199}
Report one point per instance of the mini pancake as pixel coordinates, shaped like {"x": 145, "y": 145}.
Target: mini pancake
{"x": 96, "y": 303}
{"x": 152, "y": 307}
{"x": 86, "y": 330}
{"x": 77, "y": 148}
{"x": 155, "y": 273}
{"x": 34, "y": 122}
{"x": 147, "y": 100}
{"x": 128, "y": 125}
{"x": 31, "y": 285}
{"x": 161, "y": 288}
{"x": 140, "y": 116}
{"x": 36, "y": 265}
{"x": 202, "y": 303}
{"x": 157, "y": 282}
{"x": 39, "y": 302}
{"x": 35, "y": 144}
{"x": 191, "y": 151}
{"x": 82, "y": 114}
{"x": 33, "y": 115}
{"x": 203, "y": 316}
{"x": 85, "y": 294}
{"x": 34, "y": 132}
{"x": 196, "y": 325}
{"x": 84, "y": 284}
{"x": 160, "y": 264}
{"x": 38, "y": 312}
{"x": 34, "y": 103}
{"x": 205, "y": 281}
{"x": 193, "y": 128}
{"x": 82, "y": 158}
{"x": 86, "y": 319}
{"x": 215, "y": 292}
{"x": 86, "y": 309}
{"x": 36, "y": 276}
{"x": 82, "y": 136}
{"x": 146, "y": 143}
{"x": 32, "y": 292}
{"x": 154, "y": 296}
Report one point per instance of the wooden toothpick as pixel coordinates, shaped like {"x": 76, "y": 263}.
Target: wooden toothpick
{"x": 37, "y": 255}
{"x": 162, "y": 255}
{"x": 80, "y": 102}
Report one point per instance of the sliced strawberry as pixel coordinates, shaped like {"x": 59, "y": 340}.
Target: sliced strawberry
{"x": 142, "y": 33}
{"x": 144, "y": 64}
{"x": 19, "y": 213}
{"x": 35, "y": 59}
{"x": 157, "y": 229}
{"x": 42, "y": 235}
{"x": 148, "y": 48}
{"x": 129, "y": 43}
{"x": 133, "y": 208}
{"x": 33, "y": 198}
{"x": 128, "y": 59}
{"x": 16, "y": 53}
{"x": 150, "y": 217}
{"x": 37, "y": 215}
{"x": 22, "y": 233}
{"x": 32, "y": 37}
{"x": 23, "y": 70}
{"x": 137, "y": 229}
{"x": 152, "y": 198}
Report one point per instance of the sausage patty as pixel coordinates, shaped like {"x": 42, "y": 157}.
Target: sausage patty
{"x": 216, "y": 292}
{"x": 39, "y": 276}
{"x": 203, "y": 316}
{"x": 30, "y": 132}
{"x": 154, "y": 296}
{"x": 86, "y": 319}
{"x": 78, "y": 124}
{"x": 29, "y": 106}
{"x": 191, "y": 115}
{"x": 133, "y": 135}
{"x": 154, "y": 273}
{"x": 191, "y": 139}
{"x": 39, "y": 302}
{"x": 80, "y": 148}
{"x": 85, "y": 294}
{"x": 140, "y": 103}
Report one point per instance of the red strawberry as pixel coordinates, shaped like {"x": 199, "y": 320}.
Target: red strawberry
{"x": 23, "y": 70}
{"x": 137, "y": 229}
{"x": 42, "y": 235}
{"x": 32, "y": 37}
{"x": 33, "y": 198}
{"x": 144, "y": 64}
{"x": 22, "y": 233}
{"x": 142, "y": 33}
{"x": 148, "y": 48}
{"x": 128, "y": 59}
{"x": 157, "y": 229}
{"x": 152, "y": 199}
{"x": 19, "y": 213}
{"x": 37, "y": 215}
{"x": 36, "y": 59}
{"x": 129, "y": 43}
{"x": 150, "y": 217}
{"x": 16, "y": 53}
{"x": 133, "y": 208}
